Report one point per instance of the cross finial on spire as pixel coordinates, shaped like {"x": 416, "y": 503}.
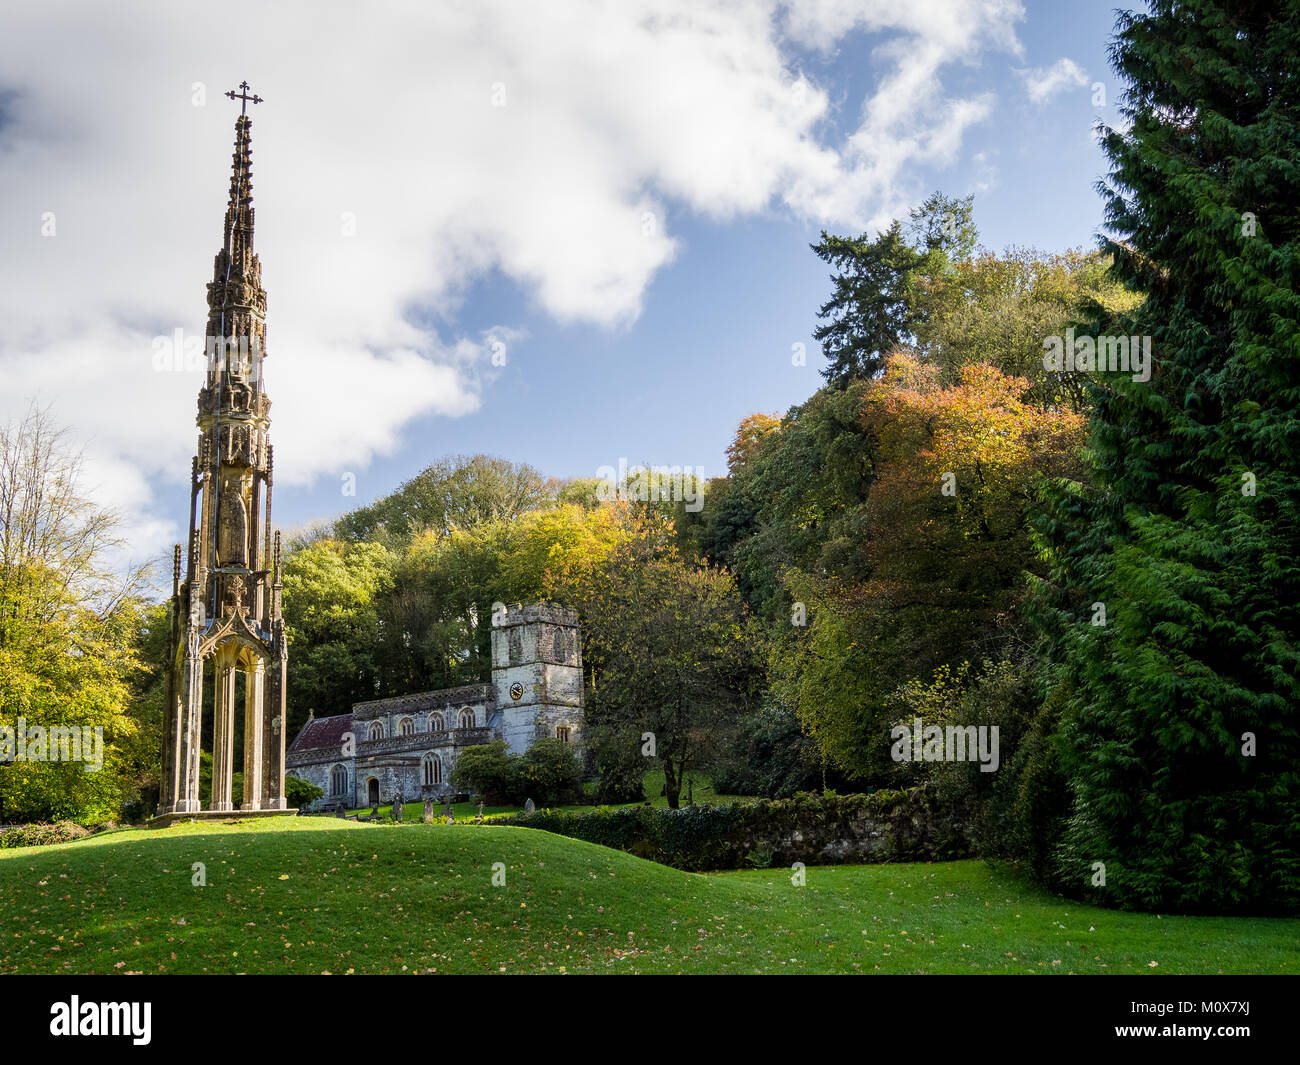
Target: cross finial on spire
{"x": 243, "y": 95}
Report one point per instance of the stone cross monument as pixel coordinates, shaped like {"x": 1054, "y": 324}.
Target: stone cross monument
{"x": 226, "y": 611}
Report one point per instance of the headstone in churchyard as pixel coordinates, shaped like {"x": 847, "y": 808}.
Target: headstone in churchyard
{"x": 480, "y": 809}
{"x": 428, "y": 810}
{"x": 449, "y": 813}
{"x": 528, "y": 806}
{"x": 399, "y": 801}
{"x": 374, "y": 812}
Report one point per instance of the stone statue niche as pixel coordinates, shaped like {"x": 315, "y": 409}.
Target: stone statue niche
{"x": 232, "y": 522}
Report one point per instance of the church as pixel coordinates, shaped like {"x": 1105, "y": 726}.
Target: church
{"x": 410, "y": 743}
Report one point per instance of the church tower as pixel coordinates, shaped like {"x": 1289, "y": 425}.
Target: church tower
{"x": 226, "y": 611}
{"x": 537, "y": 675}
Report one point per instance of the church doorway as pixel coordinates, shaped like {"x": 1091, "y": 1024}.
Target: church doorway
{"x": 372, "y": 792}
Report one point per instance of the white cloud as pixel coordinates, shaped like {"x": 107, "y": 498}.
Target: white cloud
{"x": 1043, "y": 83}
{"x": 985, "y": 172}
{"x": 614, "y": 113}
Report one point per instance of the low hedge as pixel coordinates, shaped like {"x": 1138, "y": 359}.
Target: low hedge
{"x": 39, "y": 835}
{"x": 812, "y": 828}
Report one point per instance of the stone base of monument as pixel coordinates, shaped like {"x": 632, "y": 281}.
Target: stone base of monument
{"x": 163, "y": 820}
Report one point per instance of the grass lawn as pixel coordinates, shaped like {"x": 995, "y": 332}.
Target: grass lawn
{"x": 316, "y": 895}
{"x": 464, "y": 811}
{"x": 702, "y": 792}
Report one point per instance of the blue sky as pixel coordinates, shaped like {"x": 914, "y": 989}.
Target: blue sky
{"x": 515, "y": 223}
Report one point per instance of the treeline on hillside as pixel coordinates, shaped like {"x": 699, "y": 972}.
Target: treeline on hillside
{"x": 872, "y": 539}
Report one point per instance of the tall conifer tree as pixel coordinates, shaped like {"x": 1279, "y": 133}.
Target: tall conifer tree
{"x": 1177, "y": 721}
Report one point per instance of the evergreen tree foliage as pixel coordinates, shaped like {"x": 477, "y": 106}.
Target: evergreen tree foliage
{"x": 1175, "y": 718}
{"x": 874, "y": 307}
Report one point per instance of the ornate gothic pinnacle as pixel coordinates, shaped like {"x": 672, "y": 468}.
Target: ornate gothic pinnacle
{"x": 239, "y": 211}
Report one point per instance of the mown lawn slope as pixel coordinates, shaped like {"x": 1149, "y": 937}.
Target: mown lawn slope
{"x": 314, "y": 895}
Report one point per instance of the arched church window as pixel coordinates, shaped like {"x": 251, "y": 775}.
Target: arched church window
{"x": 436, "y": 723}
{"x": 406, "y": 727}
{"x": 432, "y": 769}
{"x": 376, "y": 730}
{"x": 467, "y": 719}
{"x": 338, "y": 780}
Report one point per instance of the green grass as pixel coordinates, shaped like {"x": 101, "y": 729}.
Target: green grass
{"x": 315, "y": 895}
{"x": 702, "y": 792}
{"x": 464, "y": 811}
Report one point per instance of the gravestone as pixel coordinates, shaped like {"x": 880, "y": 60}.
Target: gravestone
{"x": 428, "y": 810}
{"x": 528, "y": 806}
{"x": 399, "y": 802}
{"x": 449, "y": 813}
{"x": 374, "y": 812}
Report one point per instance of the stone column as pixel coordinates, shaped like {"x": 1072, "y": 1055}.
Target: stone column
{"x": 173, "y": 718}
{"x": 273, "y": 729}
{"x": 173, "y": 759}
{"x": 194, "y": 746}
{"x": 173, "y": 766}
{"x": 189, "y": 703}
{"x": 223, "y": 735}
{"x": 254, "y": 688}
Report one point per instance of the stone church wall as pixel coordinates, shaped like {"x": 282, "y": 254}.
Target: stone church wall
{"x": 319, "y": 772}
{"x": 536, "y": 692}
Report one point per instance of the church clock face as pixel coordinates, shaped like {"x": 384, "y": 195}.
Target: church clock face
{"x": 516, "y": 690}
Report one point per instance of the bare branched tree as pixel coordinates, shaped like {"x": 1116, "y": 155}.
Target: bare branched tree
{"x": 53, "y": 539}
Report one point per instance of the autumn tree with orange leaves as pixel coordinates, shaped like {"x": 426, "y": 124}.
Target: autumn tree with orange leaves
{"x": 957, "y": 471}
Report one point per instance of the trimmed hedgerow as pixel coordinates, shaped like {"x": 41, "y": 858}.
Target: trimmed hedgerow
{"x": 811, "y": 828}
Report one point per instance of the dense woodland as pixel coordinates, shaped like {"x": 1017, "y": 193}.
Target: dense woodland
{"x": 930, "y": 534}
